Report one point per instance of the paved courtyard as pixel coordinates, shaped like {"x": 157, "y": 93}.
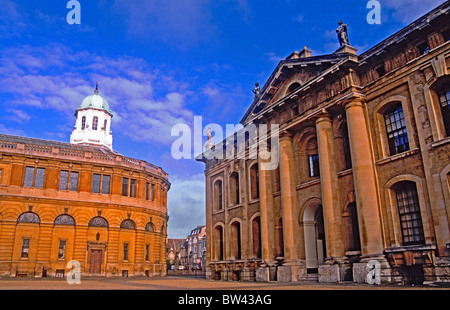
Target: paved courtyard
{"x": 179, "y": 283}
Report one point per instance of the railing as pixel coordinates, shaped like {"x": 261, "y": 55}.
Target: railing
{"x": 8, "y": 145}
{"x": 88, "y": 155}
{"x": 38, "y": 148}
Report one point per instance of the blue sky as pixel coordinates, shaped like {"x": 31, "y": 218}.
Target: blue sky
{"x": 161, "y": 62}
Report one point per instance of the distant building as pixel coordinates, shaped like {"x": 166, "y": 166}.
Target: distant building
{"x": 196, "y": 249}
{"x": 80, "y": 201}
{"x": 363, "y": 179}
{"x": 173, "y": 249}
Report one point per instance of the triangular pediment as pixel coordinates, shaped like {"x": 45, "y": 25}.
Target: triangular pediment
{"x": 290, "y": 75}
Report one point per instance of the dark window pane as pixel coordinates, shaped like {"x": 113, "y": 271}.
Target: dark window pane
{"x": 29, "y": 175}
{"x": 83, "y": 123}
{"x": 39, "y": 181}
{"x": 62, "y": 249}
{"x": 314, "y": 169}
{"x": 396, "y": 130}
{"x": 125, "y": 187}
{"x": 25, "y": 247}
{"x": 132, "y": 188}
{"x": 95, "y": 123}
{"x": 444, "y": 99}
{"x": 73, "y": 186}
{"x": 63, "y": 179}
{"x": 96, "y": 183}
{"x": 105, "y": 184}
{"x": 409, "y": 212}
{"x": 125, "y": 251}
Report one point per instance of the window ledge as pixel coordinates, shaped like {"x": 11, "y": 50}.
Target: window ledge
{"x": 398, "y": 156}
{"x": 234, "y": 206}
{"x": 421, "y": 247}
{"x": 440, "y": 142}
{"x": 218, "y": 211}
{"x": 308, "y": 183}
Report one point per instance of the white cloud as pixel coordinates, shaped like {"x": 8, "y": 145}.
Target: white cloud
{"x": 55, "y": 77}
{"x": 186, "y": 204}
{"x": 409, "y": 10}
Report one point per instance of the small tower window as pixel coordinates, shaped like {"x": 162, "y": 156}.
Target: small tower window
{"x": 95, "y": 123}
{"x": 83, "y": 123}
{"x": 105, "y": 123}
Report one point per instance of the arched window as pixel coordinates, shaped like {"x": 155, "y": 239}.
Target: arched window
{"x": 105, "y": 123}
{"x": 397, "y": 134}
{"x": 350, "y": 217}
{"x": 313, "y": 157}
{"x": 29, "y": 217}
{"x": 234, "y": 188}
{"x": 128, "y": 224}
{"x": 254, "y": 182}
{"x": 64, "y": 219}
{"x": 218, "y": 199}
{"x": 218, "y": 241}
{"x": 98, "y": 221}
{"x": 83, "y": 123}
{"x": 409, "y": 212}
{"x": 293, "y": 87}
{"x": 236, "y": 239}
{"x": 95, "y": 123}
{"x": 256, "y": 232}
{"x": 150, "y": 227}
{"x": 444, "y": 102}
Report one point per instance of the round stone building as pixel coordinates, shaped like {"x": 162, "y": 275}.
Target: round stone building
{"x": 80, "y": 201}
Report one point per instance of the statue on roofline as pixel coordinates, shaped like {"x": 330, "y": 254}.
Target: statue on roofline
{"x": 257, "y": 91}
{"x": 342, "y": 34}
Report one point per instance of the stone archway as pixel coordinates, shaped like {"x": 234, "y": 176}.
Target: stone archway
{"x": 314, "y": 233}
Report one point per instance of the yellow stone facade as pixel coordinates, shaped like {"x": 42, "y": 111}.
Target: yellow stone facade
{"x": 364, "y": 168}
{"x": 45, "y": 224}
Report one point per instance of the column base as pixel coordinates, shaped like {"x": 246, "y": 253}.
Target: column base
{"x": 208, "y": 273}
{"x": 291, "y": 271}
{"x": 335, "y": 270}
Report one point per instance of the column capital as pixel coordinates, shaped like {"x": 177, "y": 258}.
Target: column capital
{"x": 285, "y": 135}
{"x": 354, "y": 100}
{"x": 323, "y": 116}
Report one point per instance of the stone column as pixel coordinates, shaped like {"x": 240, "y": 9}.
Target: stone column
{"x": 266, "y": 211}
{"x": 329, "y": 185}
{"x": 331, "y": 202}
{"x": 364, "y": 178}
{"x": 288, "y": 205}
{"x": 266, "y": 220}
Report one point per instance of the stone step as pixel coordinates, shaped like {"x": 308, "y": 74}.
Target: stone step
{"x": 313, "y": 277}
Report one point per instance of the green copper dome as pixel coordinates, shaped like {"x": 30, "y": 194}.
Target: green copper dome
{"x": 95, "y": 101}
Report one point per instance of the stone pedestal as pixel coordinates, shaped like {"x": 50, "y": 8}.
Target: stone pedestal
{"x": 329, "y": 274}
{"x": 284, "y": 274}
{"x": 208, "y": 273}
{"x": 346, "y": 49}
{"x": 262, "y": 274}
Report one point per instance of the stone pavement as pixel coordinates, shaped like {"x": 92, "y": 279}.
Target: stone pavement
{"x": 180, "y": 283}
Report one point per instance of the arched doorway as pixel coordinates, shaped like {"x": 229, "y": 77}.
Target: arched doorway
{"x": 314, "y": 232}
